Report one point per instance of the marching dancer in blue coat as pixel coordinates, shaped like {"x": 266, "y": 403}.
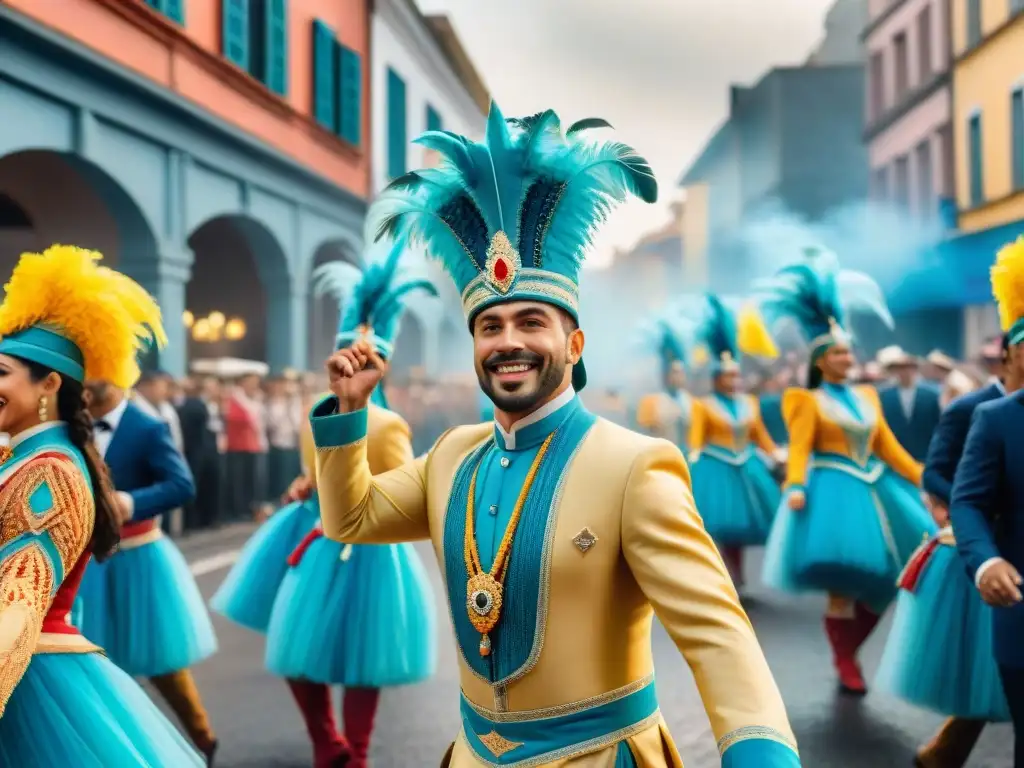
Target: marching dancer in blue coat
{"x": 358, "y": 616}
{"x": 939, "y": 652}
{"x": 987, "y": 508}
{"x": 143, "y": 605}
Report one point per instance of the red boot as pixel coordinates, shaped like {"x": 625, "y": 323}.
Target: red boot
{"x": 841, "y": 635}
{"x": 865, "y": 621}
{"x": 358, "y": 710}
{"x": 329, "y": 748}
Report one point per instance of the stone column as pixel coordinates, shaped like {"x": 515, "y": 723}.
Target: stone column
{"x": 165, "y": 276}
{"x": 287, "y": 321}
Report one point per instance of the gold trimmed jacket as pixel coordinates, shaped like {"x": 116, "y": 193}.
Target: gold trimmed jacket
{"x": 650, "y": 555}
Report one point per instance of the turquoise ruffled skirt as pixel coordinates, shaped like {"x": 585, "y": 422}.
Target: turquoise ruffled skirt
{"x": 858, "y": 529}
{"x": 143, "y": 607}
{"x": 80, "y": 710}
{"x": 736, "y": 496}
{"x": 247, "y": 595}
{"x": 939, "y": 651}
{"x": 364, "y": 621}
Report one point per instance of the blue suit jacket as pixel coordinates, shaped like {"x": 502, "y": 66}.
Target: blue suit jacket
{"x": 987, "y": 510}
{"x": 145, "y": 464}
{"x": 915, "y": 433}
{"x": 947, "y": 444}
{"x": 771, "y": 415}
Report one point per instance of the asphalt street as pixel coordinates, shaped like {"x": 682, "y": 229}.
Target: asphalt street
{"x": 259, "y": 726}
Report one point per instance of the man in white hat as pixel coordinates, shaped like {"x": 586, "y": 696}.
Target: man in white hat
{"x": 938, "y": 366}
{"x": 910, "y": 406}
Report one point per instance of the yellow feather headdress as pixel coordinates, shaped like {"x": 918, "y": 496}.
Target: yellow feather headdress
{"x": 64, "y": 294}
{"x": 1008, "y": 283}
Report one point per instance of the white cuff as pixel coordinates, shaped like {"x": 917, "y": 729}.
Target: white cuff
{"x": 129, "y": 502}
{"x": 984, "y": 567}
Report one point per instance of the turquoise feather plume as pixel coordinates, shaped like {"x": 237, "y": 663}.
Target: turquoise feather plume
{"x": 815, "y": 293}
{"x": 372, "y": 296}
{"x": 668, "y": 334}
{"x": 718, "y": 329}
{"x": 545, "y": 189}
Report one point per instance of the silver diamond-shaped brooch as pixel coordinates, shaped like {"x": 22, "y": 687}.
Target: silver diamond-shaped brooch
{"x": 584, "y": 540}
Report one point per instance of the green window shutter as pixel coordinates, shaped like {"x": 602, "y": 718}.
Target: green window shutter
{"x": 275, "y": 60}
{"x": 434, "y": 122}
{"x": 235, "y": 32}
{"x": 323, "y": 75}
{"x": 397, "y": 141}
{"x": 174, "y": 10}
{"x": 350, "y": 95}
{"x": 977, "y": 180}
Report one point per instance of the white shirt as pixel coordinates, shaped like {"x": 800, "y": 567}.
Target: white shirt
{"x": 907, "y": 396}
{"x": 545, "y": 410}
{"x": 284, "y": 420}
{"x": 166, "y": 413}
{"x": 102, "y": 437}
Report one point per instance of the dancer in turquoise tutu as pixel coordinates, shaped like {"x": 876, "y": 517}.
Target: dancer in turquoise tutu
{"x": 62, "y": 702}
{"x": 732, "y": 482}
{"x": 853, "y": 514}
{"x": 939, "y": 652}
{"x": 359, "y": 616}
{"x": 247, "y": 594}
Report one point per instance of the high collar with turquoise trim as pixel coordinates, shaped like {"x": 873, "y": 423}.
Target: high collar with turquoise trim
{"x": 532, "y": 430}
{"x": 46, "y": 346}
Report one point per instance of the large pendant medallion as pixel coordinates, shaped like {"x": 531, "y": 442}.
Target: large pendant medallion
{"x": 483, "y": 604}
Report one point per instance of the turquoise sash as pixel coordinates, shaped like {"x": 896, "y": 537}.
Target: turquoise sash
{"x": 501, "y": 739}
{"x": 517, "y": 640}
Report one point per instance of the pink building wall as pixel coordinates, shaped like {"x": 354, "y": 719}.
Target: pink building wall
{"x": 920, "y": 115}
{"x": 188, "y": 60}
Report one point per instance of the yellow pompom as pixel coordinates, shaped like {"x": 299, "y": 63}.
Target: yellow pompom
{"x": 107, "y": 315}
{"x": 700, "y": 355}
{"x": 1008, "y": 283}
{"x": 753, "y": 337}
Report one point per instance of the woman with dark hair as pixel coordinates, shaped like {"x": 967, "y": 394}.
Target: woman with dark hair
{"x": 852, "y": 514}
{"x": 63, "y": 318}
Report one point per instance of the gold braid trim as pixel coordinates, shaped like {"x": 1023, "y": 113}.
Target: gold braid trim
{"x": 26, "y": 584}
{"x": 27, "y": 579}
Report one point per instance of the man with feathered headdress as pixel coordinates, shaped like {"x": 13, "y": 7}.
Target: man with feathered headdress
{"x": 987, "y": 507}
{"x": 560, "y": 534}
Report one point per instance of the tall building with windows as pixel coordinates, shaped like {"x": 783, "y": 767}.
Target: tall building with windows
{"x": 422, "y": 79}
{"x": 907, "y": 125}
{"x": 214, "y": 150}
{"x": 988, "y": 131}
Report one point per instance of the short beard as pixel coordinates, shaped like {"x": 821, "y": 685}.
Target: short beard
{"x": 550, "y": 377}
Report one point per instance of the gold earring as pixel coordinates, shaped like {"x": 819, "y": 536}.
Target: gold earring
{"x": 44, "y": 413}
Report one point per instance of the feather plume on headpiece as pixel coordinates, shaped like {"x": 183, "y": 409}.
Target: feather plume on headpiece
{"x": 817, "y": 295}
{"x": 372, "y": 298}
{"x": 727, "y": 335}
{"x": 669, "y": 335}
{"x": 1008, "y": 289}
{"x": 65, "y": 311}
{"x": 512, "y": 218}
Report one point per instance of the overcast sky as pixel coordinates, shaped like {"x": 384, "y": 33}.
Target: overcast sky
{"x": 657, "y": 70}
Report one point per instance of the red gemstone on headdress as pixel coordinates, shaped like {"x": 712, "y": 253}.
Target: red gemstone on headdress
{"x": 500, "y": 270}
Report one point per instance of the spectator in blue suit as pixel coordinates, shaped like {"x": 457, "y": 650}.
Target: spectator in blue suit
{"x": 987, "y": 508}
{"x": 910, "y": 405}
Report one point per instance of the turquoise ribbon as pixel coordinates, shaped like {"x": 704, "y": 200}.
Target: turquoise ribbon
{"x": 1016, "y": 332}
{"x": 546, "y": 739}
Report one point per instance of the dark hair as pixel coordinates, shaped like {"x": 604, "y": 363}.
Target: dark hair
{"x": 1005, "y": 343}
{"x": 106, "y": 533}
